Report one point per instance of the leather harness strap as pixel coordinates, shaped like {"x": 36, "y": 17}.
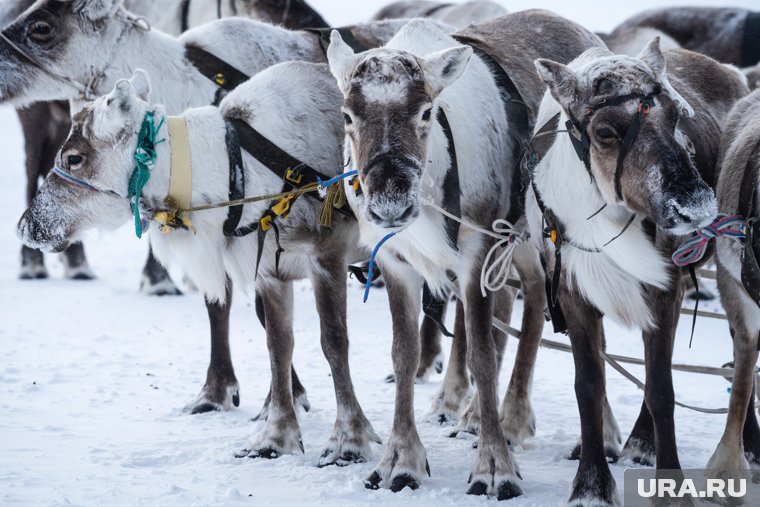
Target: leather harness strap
{"x": 748, "y": 203}
{"x": 750, "y": 40}
{"x": 181, "y": 176}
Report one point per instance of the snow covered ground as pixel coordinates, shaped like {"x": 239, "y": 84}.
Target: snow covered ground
{"x": 94, "y": 376}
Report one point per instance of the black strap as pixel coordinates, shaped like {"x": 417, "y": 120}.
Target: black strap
{"x": 237, "y": 179}
{"x": 451, "y": 190}
{"x": 293, "y": 172}
{"x": 751, "y": 261}
{"x": 518, "y": 117}
{"x": 184, "y": 15}
{"x": 221, "y": 73}
{"x": 630, "y": 137}
{"x": 695, "y": 281}
{"x": 346, "y": 33}
{"x": 361, "y": 271}
{"x": 433, "y": 307}
{"x": 750, "y": 40}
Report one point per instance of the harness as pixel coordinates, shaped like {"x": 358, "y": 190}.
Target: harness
{"x": 294, "y": 173}
{"x": 517, "y": 118}
{"x": 434, "y": 9}
{"x": 750, "y": 54}
{"x": 553, "y": 228}
{"x": 748, "y": 202}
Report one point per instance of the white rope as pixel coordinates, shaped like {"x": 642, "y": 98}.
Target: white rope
{"x": 494, "y": 275}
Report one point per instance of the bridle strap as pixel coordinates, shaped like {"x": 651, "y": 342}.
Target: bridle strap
{"x": 84, "y": 90}
{"x": 630, "y": 136}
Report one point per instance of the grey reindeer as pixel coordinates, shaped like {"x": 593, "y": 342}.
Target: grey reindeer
{"x": 728, "y": 34}
{"x": 76, "y": 58}
{"x": 738, "y": 193}
{"x": 394, "y": 101}
{"x": 98, "y": 157}
{"x": 611, "y": 198}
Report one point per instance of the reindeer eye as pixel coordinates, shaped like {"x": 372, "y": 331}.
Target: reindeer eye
{"x": 41, "y": 31}
{"x": 604, "y": 133}
{"x": 75, "y": 159}
{"x": 426, "y": 115}
{"x": 347, "y": 119}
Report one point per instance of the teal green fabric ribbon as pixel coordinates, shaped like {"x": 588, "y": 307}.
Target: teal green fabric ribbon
{"x": 145, "y": 159}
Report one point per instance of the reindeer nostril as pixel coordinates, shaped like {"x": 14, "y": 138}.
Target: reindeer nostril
{"x": 407, "y": 213}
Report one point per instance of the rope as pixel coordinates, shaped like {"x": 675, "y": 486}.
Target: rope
{"x": 614, "y": 361}
{"x": 692, "y": 250}
{"x": 145, "y": 159}
{"x": 494, "y": 275}
{"x": 371, "y": 267}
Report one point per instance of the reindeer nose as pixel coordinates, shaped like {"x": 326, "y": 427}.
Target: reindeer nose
{"x": 25, "y": 229}
{"x": 388, "y": 216}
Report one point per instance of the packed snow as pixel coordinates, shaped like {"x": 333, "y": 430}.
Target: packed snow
{"x": 94, "y": 377}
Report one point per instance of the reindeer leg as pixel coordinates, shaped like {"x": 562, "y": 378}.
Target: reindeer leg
{"x": 518, "y": 421}
{"x": 352, "y": 433}
{"x": 658, "y": 393}
{"x": 593, "y": 483}
{"x": 495, "y": 471}
{"x": 431, "y": 357}
{"x": 751, "y": 436}
{"x": 729, "y": 460}
{"x": 280, "y": 433}
{"x": 449, "y": 401}
{"x": 156, "y": 280}
{"x": 404, "y": 460}
{"x": 299, "y": 392}
{"x": 221, "y": 390}
{"x": 470, "y": 420}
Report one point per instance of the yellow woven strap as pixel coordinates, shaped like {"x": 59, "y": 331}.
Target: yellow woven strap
{"x": 181, "y": 179}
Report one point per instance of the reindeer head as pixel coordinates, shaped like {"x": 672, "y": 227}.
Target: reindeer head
{"x": 389, "y": 107}
{"x": 73, "y": 39}
{"x": 624, "y": 115}
{"x": 95, "y": 164}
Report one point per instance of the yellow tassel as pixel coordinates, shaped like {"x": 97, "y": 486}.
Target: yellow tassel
{"x": 335, "y": 198}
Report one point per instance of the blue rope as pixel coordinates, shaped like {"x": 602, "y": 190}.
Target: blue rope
{"x": 71, "y": 179}
{"x": 372, "y": 264}
{"x": 332, "y": 181}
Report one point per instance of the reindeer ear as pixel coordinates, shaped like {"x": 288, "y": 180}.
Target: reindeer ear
{"x": 561, "y": 80}
{"x": 443, "y": 68}
{"x": 341, "y": 58}
{"x": 652, "y": 56}
{"x": 97, "y": 9}
{"x": 140, "y": 84}
{"x": 122, "y": 97}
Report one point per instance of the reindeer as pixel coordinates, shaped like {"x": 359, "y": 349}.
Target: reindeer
{"x": 728, "y": 34}
{"x": 739, "y": 286}
{"x": 399, "y": 103}
{"x": 609, "y": 203}
{"x": 458, "y": 15}
{"x": 75, "y": 60}
{"x": 98, "y": 158}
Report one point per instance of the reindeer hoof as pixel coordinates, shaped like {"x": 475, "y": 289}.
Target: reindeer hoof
{"x": 373, "y": 481}
{"x": 266, "y": 453}
{"x": 478, "y": 488}
{"x": 404, "y": 481}
{"x": 438, "y": 365}
{"x": 507, "y": 490}
{"x": 202, "y": 408}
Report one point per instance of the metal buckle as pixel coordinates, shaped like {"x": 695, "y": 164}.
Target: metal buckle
{"x": 294, "y": 176}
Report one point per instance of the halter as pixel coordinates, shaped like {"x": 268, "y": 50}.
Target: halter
{"x": 582, "y": 141}
{"x": 87, "y": 90}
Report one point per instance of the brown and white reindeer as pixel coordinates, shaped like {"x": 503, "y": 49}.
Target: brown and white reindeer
{"x": 728, "y": 34}
{"x": 90, "y": 44}
{"x": 611, "y": 198}
{"x": 738, "y": 193}
{"x": 406, "y": 107}
{"x": 90, "y": 189}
